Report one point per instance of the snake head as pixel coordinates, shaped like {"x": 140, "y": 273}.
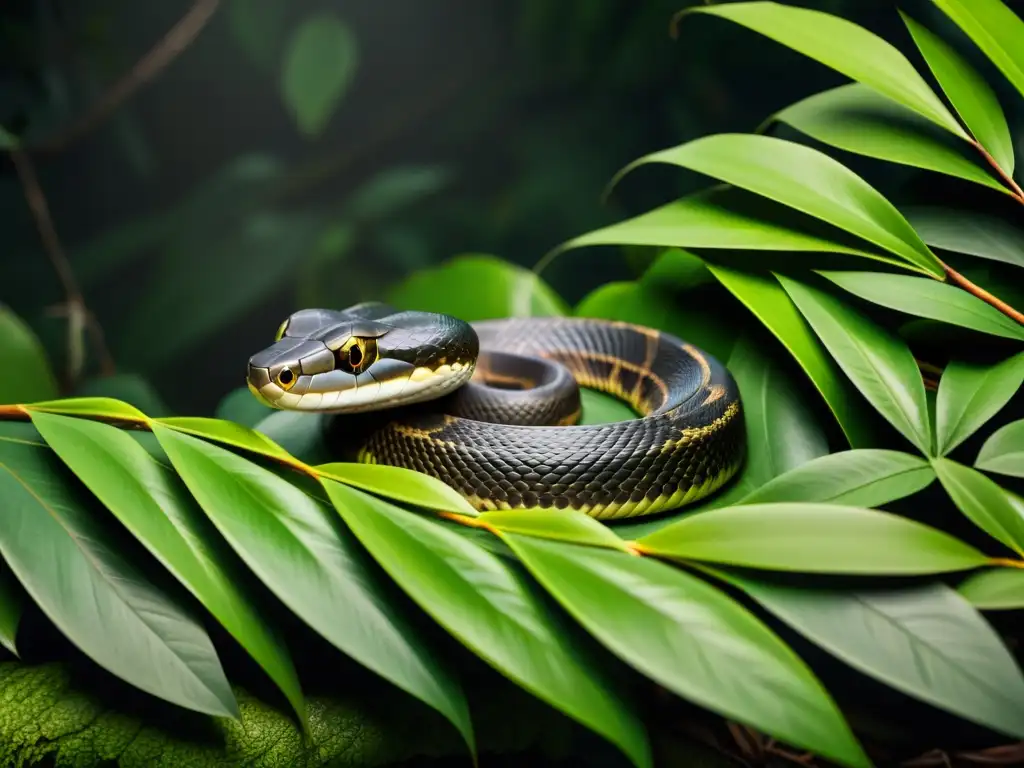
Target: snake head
{"x": 325, "y": 360}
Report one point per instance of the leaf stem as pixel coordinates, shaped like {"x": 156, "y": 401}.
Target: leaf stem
{"x": 957, "y": 279}
{"x": 1006, "y": 562}
{"x": 1018, "y": 193}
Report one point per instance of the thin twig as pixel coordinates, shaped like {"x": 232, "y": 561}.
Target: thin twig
{"x": 957, "y": 279}
{"x": 1006, "y": 177}
{"x": 177, "y": 39}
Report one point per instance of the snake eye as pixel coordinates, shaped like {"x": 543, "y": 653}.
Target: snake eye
{"x": 286, "y": 379}
{"x": 356, "y": 354}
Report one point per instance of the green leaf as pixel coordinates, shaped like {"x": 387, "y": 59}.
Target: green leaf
{"x": 970, "y": 394}
{"x": 924, "y": 297}
{"x": 319, "y": 65}
{"x": 967, "y": 91}
{"x": 98, "y": 597}
{"x": 395, "y": 188}
{"x": 675, "y": 269}
{"x": 258, "y": 27}
{"x": 857, "y": 478}
{"x": 7, "y": 139}
{"x": 983, "y": 502}
{"x": 129, "y": 388}
{"x": 478, "y": 287}
{"x": 763, "y": 296}
{"x": 806, "y": 180}
{"x": 994, "y": 589}
{"x": 400, "y": 484}
{"x": 492, "y": 609}
{"x": 28, "y": 374}
{"x": 12, "y": 605}
{"x": 298, "y": 548}
{"x": 859, "y": 119}
{"x": 228, "y": 433}
{"x": 925, "y": 641}
{"x": 1003, "y": 452}
{"x": 995, "y": 29}
{"x": 968, "y": 232}
{"x": 152, "y": 503}
{"x": 880, "y": 365}
{"x": 92, "y": 407}
{"x": 844, "y": 46}
{"x": 694, "y": 640}
{"x": 242, "y": 408}
{"x": 813, "y": 538}
{"x": 599, "y": 408}
{"x": 561, "y": 525}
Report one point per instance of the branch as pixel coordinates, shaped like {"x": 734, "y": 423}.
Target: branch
{"x": 1015, "y": 189}
{"x": 957, "y": 279}
{"x": 177, "y": 39}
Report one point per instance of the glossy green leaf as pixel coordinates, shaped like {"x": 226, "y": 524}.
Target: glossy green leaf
{"x": 763, "y": 296}
{"x": 806, "y": 180}
{"x": 492, "y": 609}
{"x": 844, "y": 46}
{"x": 319, "y": 64}
{"x": 28, "y": 374}
{"x": 478, "y": 287}
{"x": 925, "y": 641}
{"x": 400, "y": 484}
{"x": 983, "y": 502}
{"x": 967, "y": 91}
{"x": 1003, "y": 452}
{"x": 299, "y": 549}
{"x": 994, "y": 589}
{"x": 879, "y": 364}
{"x": 859, "y": 119}
{"x": 976, "y": 234}
{"x": 92, "y": 407}
{"x": 12, "y": 606}
{"x": 560, "y": 525}
{"x": 995, "y": 29}
{"x": 924, "y": 297}
{"x": 695, "y": 641}
{"x": 813, "y": 538}
{"x": 152, "y": 503}
{"x": 970, "y": 394}
{"x": 677, "y": 270}
{"x": 858, "y": 478}
{"x": 227, "y": 432}
{"x": 98, "y": 597}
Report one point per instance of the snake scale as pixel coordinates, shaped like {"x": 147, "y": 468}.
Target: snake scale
{"x": 491, "y": 408}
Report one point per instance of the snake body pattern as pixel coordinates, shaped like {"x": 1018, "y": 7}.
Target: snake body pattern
{"x": 490, "y": 408}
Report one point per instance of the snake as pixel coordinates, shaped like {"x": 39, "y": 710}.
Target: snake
{"x": 492, "y": 407}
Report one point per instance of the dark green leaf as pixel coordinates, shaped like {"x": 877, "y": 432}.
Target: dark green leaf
{"x": 813, "y": 538}
{"x": 925, "y": 641}
{"x": 562, "y": 525}
{"x": 676, "y": 270}
{"x": 128, "y": 388}
{"x": 694, "y": 640}
{"x": 151, "y": 503}
{"x": 1003, "y": 452}
{"x": 395, "y": 188}
{"x": 319, "y": 65}
{"x": 12, "y": 605}
{"x": 924, "y": 297}
{"x": 258, "y": 27}
{"x": 859, "y": 119}
{"x": 983, "y": 502}
{"x": 400, "y": 484}
{"x": 7, "y": 139}
{"x": 98, "y": 597}
{"x": 845, "y": 47}
{"x": 858, "y": 478}
{"x": 21, "y": 351}
{"x": 967, "y": 91}
{"x": 995, "y": 29}
{"x": 971, "y": 394}
{"x": 492, "y": 609}
{"x": 995, "y": 589}
{"x": 297, "y": 547}
{"x": 968, "y": 232}
{"x": 880, "y": 365}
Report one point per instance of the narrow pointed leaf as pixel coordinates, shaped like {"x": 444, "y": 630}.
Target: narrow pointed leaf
{"x": 98, "y": 597}
{"x": 21, "y": 351}
{"x": 844, "y": 46}
{"x": 813, "y": 538}
{"x": 994, "y": 589}
{"x": 12, "y": 606}
{"x": 924, "y": 297}
{"x": 926, "y": 641}
{"x": 152, "y": 503}
{"x": 299, "y": 549}
{"x": 492, "y": 609}
{"x": 563, "y": 525}
{"x": 92, "y": 407}
{"x": 995, "y": 29}
{"x": 880, "y": 365}
{"x": 976, "y": 234}
{"x": 228, "y": 433}
{"x": 967, "y": 91}
{"x": 1003, "y": 452}
{"x": 806, "y": 180}
{"x": 858, "y": 478}
{"x": 970, "y": 394}
{"x": 983, "y": 502}
{"x": 400, "y": 484}
{"x": 859, "y": 119}
{"x": 694, "y": 640}
{"x": 763, "y": 296}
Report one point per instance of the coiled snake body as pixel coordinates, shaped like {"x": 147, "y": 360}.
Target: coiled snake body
{"x": 490, "y": 408}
